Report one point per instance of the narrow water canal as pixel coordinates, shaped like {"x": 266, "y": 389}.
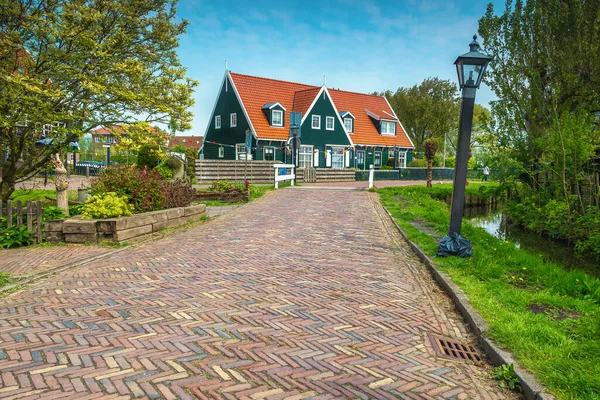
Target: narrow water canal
{"x": 558, "y": 252}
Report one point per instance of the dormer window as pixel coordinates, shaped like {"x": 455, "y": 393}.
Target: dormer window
{"x": 276, "y": 117}
{"x": 348, "y": 125}
{"x": 388, "y": 128}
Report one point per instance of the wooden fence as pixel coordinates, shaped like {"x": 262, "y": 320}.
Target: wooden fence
{"x": 33, "y": 216}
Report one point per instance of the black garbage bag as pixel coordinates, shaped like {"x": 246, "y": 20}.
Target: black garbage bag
{"x": 455, "y": 245}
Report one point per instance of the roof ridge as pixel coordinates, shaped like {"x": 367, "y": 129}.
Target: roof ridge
{"x": 348, "y": 91}
{"x": 306, "y": 90}
{"x": 276, "y": 80}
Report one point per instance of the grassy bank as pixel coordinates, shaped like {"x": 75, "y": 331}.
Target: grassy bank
{"x": 548, "y": 318}
{"x": 39, "y": 194}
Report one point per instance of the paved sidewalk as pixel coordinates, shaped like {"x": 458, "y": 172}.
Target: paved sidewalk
{"x": 300, "y": 294}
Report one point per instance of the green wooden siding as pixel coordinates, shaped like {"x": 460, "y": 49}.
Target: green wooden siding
{"x": 370, "y": 155}
{"x": 260, "y": 154}
{"x": 227, "y": 103}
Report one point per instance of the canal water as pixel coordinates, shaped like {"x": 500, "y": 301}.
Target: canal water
{"x": 559, "y": 252}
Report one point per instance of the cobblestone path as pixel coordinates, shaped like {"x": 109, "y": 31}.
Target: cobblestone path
{"x": 301, "y": 294}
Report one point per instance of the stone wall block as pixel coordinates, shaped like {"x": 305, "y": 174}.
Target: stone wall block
{"x": 79, "y": 226}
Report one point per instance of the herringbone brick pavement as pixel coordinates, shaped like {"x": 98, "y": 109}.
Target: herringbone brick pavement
{"x": 33, "y": 260}
{"x": 301, "y": 294}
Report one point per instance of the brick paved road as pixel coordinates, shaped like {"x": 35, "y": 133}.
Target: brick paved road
{"x": 302, "y": 294}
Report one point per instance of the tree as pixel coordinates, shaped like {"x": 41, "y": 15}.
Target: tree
{"x": 428, "y": 110}
{"x": 431, "y": 146}
{"x": 67, "y": 67}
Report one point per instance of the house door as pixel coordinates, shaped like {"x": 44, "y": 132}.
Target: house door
{"x": 360, "y": 159}
{"x": 305, "y": 159}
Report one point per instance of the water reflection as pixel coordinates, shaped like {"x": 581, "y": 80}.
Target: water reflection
{"x": 496, "y": 224}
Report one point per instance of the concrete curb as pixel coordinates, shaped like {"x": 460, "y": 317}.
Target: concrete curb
{"x": 532, "y": 389}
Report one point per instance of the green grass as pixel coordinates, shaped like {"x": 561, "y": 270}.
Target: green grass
{"x": 5, "y": 279}
{"x": 501, "y": 281}
{"x": 37, "y": 194}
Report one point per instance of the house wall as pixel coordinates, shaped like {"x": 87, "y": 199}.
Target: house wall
{"x": 370, "y": 155}
{"x": 227, "y": 103}
{"x": 279, "y": 154}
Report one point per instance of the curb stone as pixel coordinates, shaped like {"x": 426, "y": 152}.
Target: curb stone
{"x": 532, "y": 389}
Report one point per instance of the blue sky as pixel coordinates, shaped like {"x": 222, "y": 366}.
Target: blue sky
{"x": 360, "y": 46}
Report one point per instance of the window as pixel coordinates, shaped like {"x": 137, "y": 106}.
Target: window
{"x": 46, "y": 130}
{"x": 401, "y": 159}
{"x": 269, "y": 153}
{"x": 221, "y": 152}
{"x": 388, "y": 128}
{"x": 217, "y": 122}
{"x": 360, "y": 157}
{"x": 348, "y": 125}
{"x": 97, "y": 139}
{"x": 329, "y": 123}
{"x": 277, "y": 118}
{"x": 337, "y": 157}
{"x": 316, "y": 122}
{"x": 391, "y": 154}
{"x": 233, "y": 120}
{"x": 377, "y": 159}
{"x": 305, "y": 157}
{"x": 241, "y": 152}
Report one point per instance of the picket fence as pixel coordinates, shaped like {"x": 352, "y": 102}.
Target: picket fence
{"x": 14, "y": 212}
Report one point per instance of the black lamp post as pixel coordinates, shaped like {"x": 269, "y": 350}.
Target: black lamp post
{"x": 470, "y": 68}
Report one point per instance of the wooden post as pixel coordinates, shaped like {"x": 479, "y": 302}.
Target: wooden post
{"x": 9, "y": 213}
{"x": 29, "y": 216}
{"x": 0, "y": 209}
{"x": 19, "y": 213}
{"x": 38, "y": 217}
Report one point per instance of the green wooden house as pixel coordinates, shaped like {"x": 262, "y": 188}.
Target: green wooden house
{"x": 339, "y": 129}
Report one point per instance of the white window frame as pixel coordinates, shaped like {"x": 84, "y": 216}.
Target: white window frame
{"x": 221, "y": 152}
{"x": 305, "y": 162}
{"x": 313, "y": 120}
{"x": 272, "y": 148}
{"x": 273, "y": 117}
{"x": 232, "y": 120}
{"x": 401, "y": 156}
{"x": 217, "y": 122}
{"x": 97, "y": 139}
{"x": 337, "y": 159}
{"x": 346, "y": 120}
{"x": 386, "y": 131}
{"x": 358, "y": 158}
{"x": 238, "y": 152}
{"x": 375, "y": 158}
{"x": 327, "y": 120}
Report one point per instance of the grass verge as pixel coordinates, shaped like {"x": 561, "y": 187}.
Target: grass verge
{"x": 39, "y": 194}
{"x": 547, "y": 317}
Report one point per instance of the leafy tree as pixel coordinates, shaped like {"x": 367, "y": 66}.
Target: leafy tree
{"x": 431, "y": 146}
{"x": 81, "y": 64}
{"x": 428, "y": 110}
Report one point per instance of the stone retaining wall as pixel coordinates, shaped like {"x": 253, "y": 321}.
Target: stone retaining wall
{"x": 77, "y": 230}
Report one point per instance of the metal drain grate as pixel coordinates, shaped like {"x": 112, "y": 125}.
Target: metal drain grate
{"x": 449, "y": 348}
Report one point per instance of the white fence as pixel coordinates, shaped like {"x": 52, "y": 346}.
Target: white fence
{"x": 282, "y": 175}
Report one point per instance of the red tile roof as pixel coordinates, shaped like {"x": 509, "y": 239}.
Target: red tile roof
{"x": 187, "y": 141}
{"x": 255, "y": 92}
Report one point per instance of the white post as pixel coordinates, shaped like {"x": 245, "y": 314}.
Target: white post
{"x": 293, "y": 173}
{"x": 276, "y": 176}
{"x": 371, "y": 176}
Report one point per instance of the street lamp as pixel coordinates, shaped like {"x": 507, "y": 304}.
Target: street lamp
{"x": 470, "y": 68}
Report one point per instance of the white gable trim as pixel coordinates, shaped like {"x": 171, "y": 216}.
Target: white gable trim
{"x": 337, "y": 113}
{"x": 276, "y": 104}
{"x": 237, "y": 94}
{"x": 347, "y": 113}
{"x": 212, "y": 114}
{"x": 400, "y": 122}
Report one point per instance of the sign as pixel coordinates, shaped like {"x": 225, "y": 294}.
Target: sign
{"x": 291, "y": 142}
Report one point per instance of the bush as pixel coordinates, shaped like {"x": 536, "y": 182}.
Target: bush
{"x": 15, "y": 237}
{"x": 387, "y": 167}
{"x": 105, "y": 205}
{"x": 173, "y": 163}
{"x": 225, "y": 186}
{"x": 143, "y": 187}
{"x": 190, "y": 155}
{"x": 450, "y": 162}
{"x": 389, "y": 163}
{"x": 165, "y": 172}
{"x": 52, "y": 212}
{"x": 179, "y": 193}
{"x": 75, "y": 209}
{"x": 418, "y": 163}
{"x": 472, "y": 163}
{"x": 149, "y": 156}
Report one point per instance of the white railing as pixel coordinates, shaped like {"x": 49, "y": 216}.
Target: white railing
{"x": 291, "y": 176}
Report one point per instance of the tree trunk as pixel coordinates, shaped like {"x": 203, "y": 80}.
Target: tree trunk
{"x": 62, "y": 184}
{"x": 429, "y": 172}
{"x": 6, "y": 189}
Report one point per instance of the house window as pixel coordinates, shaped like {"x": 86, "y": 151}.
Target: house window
{"x": 305, "y": 157}
{"x": 390, "y": 154}
{"x": 217, "y": 122}
{"x": 277, "y": 118}
{"x": 46, "y": 130}
{"x": 233, "y": 120}
{"x": 337, "y": 157}
{"x": 329, "y": 123}
{"x": 316, "y": 122}
{"x": 221, "y": 152}
{"x": 269, "y": 153}
{"x": 97, "y": 139}
{"x": 377, "y": 159}
{"x": 241, "y": 151}
{"x": 388, "y": 128}
{"x": 348, "y": 124}
{"x": 401, "y": 159}
{"x": 360, "y": 157}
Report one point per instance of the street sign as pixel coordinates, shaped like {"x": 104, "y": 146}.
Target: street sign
{"x": 291, "y": 142}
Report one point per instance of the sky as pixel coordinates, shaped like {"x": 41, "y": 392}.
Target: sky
{"x": 360, "y": 45}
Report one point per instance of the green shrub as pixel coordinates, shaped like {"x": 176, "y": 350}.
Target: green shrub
{"x": 173, "y": 163}
{"x": 472, "y": 163}
{"x": 450, "y": 162}
{"x": 75, "y": 209}
{"x": 387, "y": 167}
{"x": 15, "y": 237}
{"x": 165, "y": 172}
{"x": 179, "y": 193}
{"x": 105, "y": 205}
{"x": 53, "y": 212}
{"x": 190, "y": 155}
{"x": 149, "y": 156}
{"x": 389, "y": 163}
{"x": 224, "y": 185}
{"x": 180, "y": 148}
{"x": 143, "y": 187}
{"x": 418, "y": 163}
